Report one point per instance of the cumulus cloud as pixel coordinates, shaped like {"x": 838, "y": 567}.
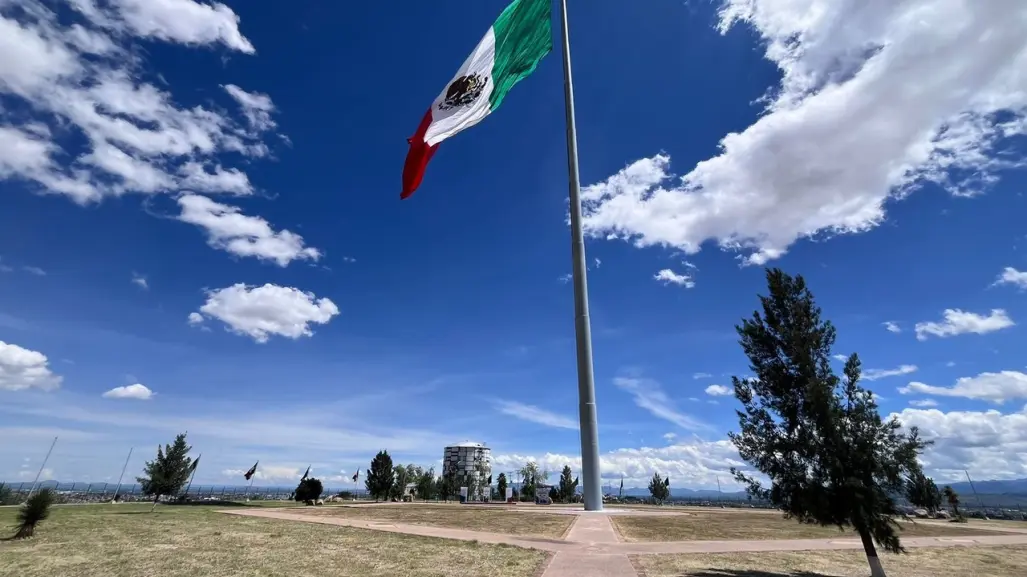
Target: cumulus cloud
{"x": 535, "y": 414}
{"x": 875, "y": 100}
{"x": 719, "y": 391}
{"x": 262, "y": 311}
{"x": 648, "y": 395}
{"x": 247, "y": 236}
{"x": 22, "y": 369}
{"x": 669, "y": 277}
{"x": 1014, "y": 277}
{"x": 78, "y": 79}
{"x": 993, "y": 387}
{"x": 875, "y": 374}
{"x": 137, "y": 391}
{"x": 698, "y": 376}
{"x": 924, "y": 403}
{"x": 958, "y": 322}
{"x": 892, "y": 327}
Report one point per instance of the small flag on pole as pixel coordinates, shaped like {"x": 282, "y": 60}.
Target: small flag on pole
{"x": 192, "y": 468}
{"x": 509, "y": 52}
{"x": 305, "y": 474}
{"x": 251, "y": 472}
{"x": 356, "y": 475}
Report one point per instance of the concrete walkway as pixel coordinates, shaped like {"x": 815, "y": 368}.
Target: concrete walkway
{"x": 592, "y": 548}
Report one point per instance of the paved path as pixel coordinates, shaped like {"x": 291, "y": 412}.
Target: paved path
{"x": 592, "y": 548}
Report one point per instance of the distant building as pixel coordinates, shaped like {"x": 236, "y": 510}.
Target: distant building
{"x": 471, "y": 465}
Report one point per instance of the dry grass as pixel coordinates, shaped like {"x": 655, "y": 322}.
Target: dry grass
{"x": 126, "y": 541}
{"x": 961, "y": 561}
{"x": 467, "y": 517}
{"x": 717, "y": 526}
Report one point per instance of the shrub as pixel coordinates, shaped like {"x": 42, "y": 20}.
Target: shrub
{"x": 309, "y": 489}
{"x": 33, "y": 512}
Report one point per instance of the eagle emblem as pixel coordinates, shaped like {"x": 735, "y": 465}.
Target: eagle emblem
{"x": 463, "y": 91}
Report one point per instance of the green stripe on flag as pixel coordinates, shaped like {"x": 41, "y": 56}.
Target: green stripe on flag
{"x": 524, "y": 35}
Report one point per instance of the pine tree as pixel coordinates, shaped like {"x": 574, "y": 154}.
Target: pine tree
{"x": 380, "y": 477}
{"x": 922, "y": 492}
{"x": 568, "y": 485}
{"x": 659, "y": 488}
{"x": 168, "y": 473}
{"x": 952, "y": 497}
{"x": 501, "y": 486}
{"x": 830, "y": 457}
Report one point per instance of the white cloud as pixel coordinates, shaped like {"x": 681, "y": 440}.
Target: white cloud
{"x": 875, "y": 374}
{"x": 1012, "y": 276}
{"x": 698, "y": 376}
{"x": 892, "y": 327}
{"x": 840, "y": 357}
{"x": 719, "y": 391}
{"x": 256, "y": 106}
{"x": 83, "y": 82}
{"x": 648, "y": 395}
{"x": 137, "y": 391}
{"x": 994, "y": 387}
{"x": 535, "y": 415}
{"x": 875, "y": 99}
{"x": 566, "y": 278}
{"x": 247, "y": 236}
{"x": 22, "y": 369}
{"x": 34, "y": 270}
{"x": 670, "y": 436}
{"x": 958, "y": 322}
{"x": 990, "y": 444}
{"x": 44, "y": 475}
{"x": 924, "y": 403}
{"x": 668, "y": 277}
{"x": 260, "y": 312}
{"x": 140, "y": 281}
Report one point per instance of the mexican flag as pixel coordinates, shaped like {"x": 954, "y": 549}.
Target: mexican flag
{"x": 510, "y": 51}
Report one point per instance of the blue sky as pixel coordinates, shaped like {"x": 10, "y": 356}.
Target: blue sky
{"x": 202, "y": 199}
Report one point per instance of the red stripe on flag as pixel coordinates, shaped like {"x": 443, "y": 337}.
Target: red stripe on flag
{"x": 417, "y": 158}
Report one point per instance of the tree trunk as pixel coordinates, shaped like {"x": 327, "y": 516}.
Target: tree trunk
{"x": 876, "y": 569}
{"x": 25, "y": 531}
{"x": 155, "y": 500}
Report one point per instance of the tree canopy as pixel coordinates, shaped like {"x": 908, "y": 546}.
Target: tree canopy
{"x": 168, "y": 472}
{"x": 426, "y": 485}
{"x": 568, "y": 485}
{"x": 921, "y": 491}
{"x": 309, "y": 489}
{"x": 830, "y": 457}
{"x": 501, "y": 486}
{"x": 659, "y": 488}
{"x": 380, "y": 477}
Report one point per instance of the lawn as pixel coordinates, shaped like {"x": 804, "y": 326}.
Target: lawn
{"x": 961, "y": 561}
{"x": 717, "y": 526}
{"x": 468, "y": 517}
{"x": 176, "y": 541}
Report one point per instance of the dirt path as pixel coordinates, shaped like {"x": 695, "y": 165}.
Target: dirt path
{"x": 593, "y": 548}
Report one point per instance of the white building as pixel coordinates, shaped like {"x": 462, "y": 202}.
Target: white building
{"x": 471, "y": 465}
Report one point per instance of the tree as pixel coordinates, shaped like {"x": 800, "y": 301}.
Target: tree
{"x": 531, "y": 477}
{"x": 426, "y": 484}
{"x": 659, "y": 488}
{"x": 568, "y": 485}
{"x": 501, "y": 486}
{"x": 309, "y": 489}
{"x": 554, "y": 495}
{"x": 33, "y": 512}
{"x": 443, "y": 486}
{"x": 380, "y": 477}
{"x": 401, "y": 478}
{"x": 830, "y": 458}
{"x": 952, "y": 497}
{"x": 922, "y": 492}
{"x": 168, "y": 473}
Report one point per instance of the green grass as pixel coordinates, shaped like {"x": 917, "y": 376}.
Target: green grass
{"x": 188, "y": 541}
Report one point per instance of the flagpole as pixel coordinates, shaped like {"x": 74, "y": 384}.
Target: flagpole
{"x": 123, "y": 469}
{"x": 583, "y": 333}
{"x": 43, "y": 466}
{"x": 193, "y": 476}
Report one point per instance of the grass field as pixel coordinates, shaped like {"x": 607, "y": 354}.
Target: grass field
{"x": 954, "y": 561}
{"x": 470, "y": 518}
{"x": 717, "y": 526}
{"x": 127, "y": 541}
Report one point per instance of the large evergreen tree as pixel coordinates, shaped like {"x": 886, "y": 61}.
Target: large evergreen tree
{"x": 921, "y": 491}
{"x": 501, "y": 486}
{"x": 168, "y": 473}
{"x": 568, "y": 485}
{"x": 830, "y": 458}
{"x": 380, "y": 477}
{"x": 659, "y": 488}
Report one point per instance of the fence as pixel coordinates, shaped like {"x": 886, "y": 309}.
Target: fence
{"x": 103, "y": 492}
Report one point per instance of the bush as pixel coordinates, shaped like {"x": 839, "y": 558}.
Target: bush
{"x": 309, "y": 489}
{"x": 347, "y": 495}
{"x": 33, "y": 512}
